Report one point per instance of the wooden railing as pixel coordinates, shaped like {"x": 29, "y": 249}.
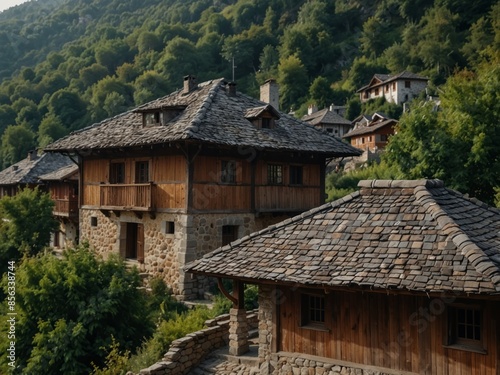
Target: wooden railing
{"x": 127, "y": 196}
{"x": 65, "y": 207}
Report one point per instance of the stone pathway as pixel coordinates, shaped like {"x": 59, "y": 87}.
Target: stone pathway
{"x": 221, "y": 363}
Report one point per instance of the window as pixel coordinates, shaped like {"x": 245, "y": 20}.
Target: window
{"x": 267, "y": 123}
{"x": 295, "y": 175}
{"x": 152, "y": 118}
{"x": 394, "y": 85}
{"x": 465, "y": 325}
{"x": 117, "y": 173}
{"x": 376, "y": 91}
{"x": 312, "y": 310}
{"x": 168, "y": 227}
{"x": 274, "y": 174}
{"x": 386, "y": 88}
{"x": 228, "y": 172}
{"x": 93, "y": 221}
{"x": 383, "y": 137}
{"x": 407, "y": 84}
{"x": 141, "y": 172}
{"x": 229, "y": 234}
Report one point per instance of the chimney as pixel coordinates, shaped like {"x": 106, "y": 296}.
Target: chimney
{"x": 189, "y": 84}
{"x": 231, "y": 91}
{"x": 269, "y": 93}
{"x": 312, "y": 108}
{"x": 32, "y": 155}
{"x": 332, "y": 107}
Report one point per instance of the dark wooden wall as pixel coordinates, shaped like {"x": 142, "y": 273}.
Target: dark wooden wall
{"x": 401, "y": 332}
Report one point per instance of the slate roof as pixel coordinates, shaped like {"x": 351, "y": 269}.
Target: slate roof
{"x": 325, "y": 116}
{"x": 370, "y": 128}
{"x": 28, "y": 171}
{"x": 67, "y": 172}
{"x": 401, "y": 235}
{"x": 382, "y": 79}
{"x": 210, "y": 116}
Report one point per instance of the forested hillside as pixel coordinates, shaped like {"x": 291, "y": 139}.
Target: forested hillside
{"x": 65, "y": 64}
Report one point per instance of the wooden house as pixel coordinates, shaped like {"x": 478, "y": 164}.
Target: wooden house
{"x": 329, "y": 120}
{"x": 62, "y": 184}
{"x": 398, "y": 89}
{"x": 401, "y": 277}
{"x": 53, "y": 173}
{"x": 371, "y": 132}
{"x": 177, "y": 177}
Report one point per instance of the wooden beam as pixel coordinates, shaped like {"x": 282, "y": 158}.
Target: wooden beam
{"x": 226, "y": 294}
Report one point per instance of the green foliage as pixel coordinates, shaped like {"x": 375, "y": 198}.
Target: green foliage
{"x": 339, "y": 184}
{"x": 70, "y": 309}
{"x": 459, "y": 142}
{"x": 17, "y": 140}
{"x": 116, "y": 362}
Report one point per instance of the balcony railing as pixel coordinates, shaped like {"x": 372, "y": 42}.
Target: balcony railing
{"x": 137, "y": 197}
{"x": 65, "y": 207}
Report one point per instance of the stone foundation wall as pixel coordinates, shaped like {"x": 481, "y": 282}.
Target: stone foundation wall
{"x": 187, "y": 352}
{"x": 293, "y": 364}
{"x": 166, "y": 254}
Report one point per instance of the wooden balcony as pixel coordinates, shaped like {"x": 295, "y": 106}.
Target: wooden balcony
{"x": 64, "y": 207}
{"x": 127, "y": 197}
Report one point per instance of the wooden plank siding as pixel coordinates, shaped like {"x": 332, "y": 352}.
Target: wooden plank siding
{"x": 400, "y": 332}
{"x": 168, "y": 183}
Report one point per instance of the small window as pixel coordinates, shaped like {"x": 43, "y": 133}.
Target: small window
{"x": 229, "y": 234}
{"x": 228, "y": 172}
{"x": 296, "y": 175}
{"x": 465, "y": 326}
{"x": 312, "y": 310}
{"x": 274, "y": 174}
{"x": 407, "y": 84}
{"x": 329, "y": 130}
{"x": 383, "y": 137}
{"x": 93, "y": 221}
{"x": 394, "y": 85}
{"x": 117, "y": 173}
{"x": 376, "y": 91}
{"x": 267, "y": 123}
{"x": 141, "y": 172}
{"x": 152, "y": 118}
{"x": 168, "y": 227}
{"x": 386, "y": 88}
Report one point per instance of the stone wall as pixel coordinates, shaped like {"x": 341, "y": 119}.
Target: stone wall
{"x": 187, "y": 352}
{"x": 165, "y": 254}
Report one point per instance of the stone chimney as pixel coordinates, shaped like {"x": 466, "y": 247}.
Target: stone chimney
{"x": 312, "y": 108}
{"x": 189, "y": 84}
{"x": 231, "y": 89}
{"x": 32, "y": 155}
{"x": 269, "y": 93}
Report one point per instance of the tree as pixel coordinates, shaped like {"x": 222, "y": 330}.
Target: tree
{"x": 292, "y": 77}
{"x": 459, "y": 142}
{"x": 50, "y": 130}
{"x": 69, "y": 108}
{"x": 70, "y": 309}
{"x": 17, "y": 140}
{"x": 321, "y": 92}
{"x": 27, "y": 224}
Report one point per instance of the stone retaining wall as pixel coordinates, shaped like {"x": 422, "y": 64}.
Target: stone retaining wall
{"x": 187, "y": 352}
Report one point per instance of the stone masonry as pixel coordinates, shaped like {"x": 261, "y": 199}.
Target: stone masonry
{"x": 166, "y": 254}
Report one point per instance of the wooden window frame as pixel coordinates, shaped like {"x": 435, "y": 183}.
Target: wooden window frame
{"x": 407, "y": 84}
{"x": 228, "y": 172}
{"x": 275, "y": 174}
{"x": 471, "y": 337}
{"x": 139, "y": 175}
{"x": 296, "y": 175}
{"x": 313, "y": 311}
{"x": 152, "y": 118}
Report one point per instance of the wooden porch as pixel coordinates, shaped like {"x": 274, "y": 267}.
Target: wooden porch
{"x": 65, "y": 207}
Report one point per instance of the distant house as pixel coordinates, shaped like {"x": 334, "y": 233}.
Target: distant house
{"x": 329, "y": 120}
{"x": 398, "y": 89}
{"x": 53, "y": 173}
{"x": 371, "y": 132}
{"x": 62, "y": 185}
{"x": 401, "y": 277}
{"x": 180, "y": 176}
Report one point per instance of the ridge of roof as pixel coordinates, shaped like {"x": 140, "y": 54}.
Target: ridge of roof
{"x": 194, "y": 127}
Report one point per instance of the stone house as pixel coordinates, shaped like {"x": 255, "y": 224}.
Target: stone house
{"x": 175, "y": 178}
{"x": 398, "y": 89}
{"x": 400, "y": 277}
{"x": 53, "y": 173}
{"x": 371, "y": 133}
{"x": 329, "y": 120}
